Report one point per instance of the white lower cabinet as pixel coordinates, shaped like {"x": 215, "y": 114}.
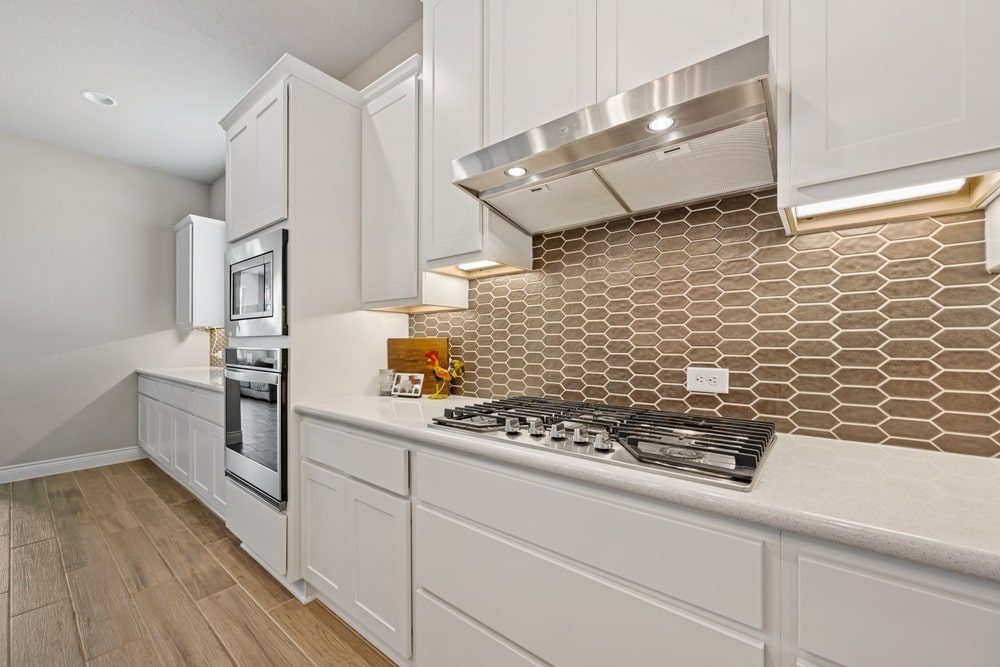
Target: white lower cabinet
{"x": 182, "y": 445}
{"x": 165, "y": 435}
{"x": 356, "y": 551}
{"x": 208, "y": 464}
{"x": 516, "y": 567}
{"x": 180, "y": 428}
{"x": 849, "y": 608}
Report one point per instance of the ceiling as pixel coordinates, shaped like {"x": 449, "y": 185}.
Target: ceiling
{"x": 175, "y": 66}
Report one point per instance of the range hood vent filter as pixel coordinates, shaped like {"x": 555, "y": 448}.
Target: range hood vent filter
{"x": 730, "y": 161}
{"x": 561, "y": 203}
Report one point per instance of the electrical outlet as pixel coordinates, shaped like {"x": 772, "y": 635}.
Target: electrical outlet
{"x": 708, "y": 380}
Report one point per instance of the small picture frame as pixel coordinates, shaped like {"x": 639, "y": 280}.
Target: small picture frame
{"x": 408, "y": 385}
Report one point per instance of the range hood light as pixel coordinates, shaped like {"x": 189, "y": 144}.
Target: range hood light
{"x": 948, "y": 187}
{"x": 516, "y": 172}
{"x": 476, "y": 266}
{"x": 99, "y": 98}
{"x": 660, "y": 123}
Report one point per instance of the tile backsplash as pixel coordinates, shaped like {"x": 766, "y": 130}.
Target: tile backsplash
{"x": 887, "y": 334}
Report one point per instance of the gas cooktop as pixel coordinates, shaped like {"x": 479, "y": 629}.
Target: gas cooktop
{"x": 716, "y": 450}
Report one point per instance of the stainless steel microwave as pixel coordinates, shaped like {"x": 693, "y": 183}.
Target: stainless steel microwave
{"x": 256, "y": 294}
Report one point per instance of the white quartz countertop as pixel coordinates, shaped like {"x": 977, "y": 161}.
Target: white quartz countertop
{"x": 201, "y": 377}
{"x": 938, "y": 509}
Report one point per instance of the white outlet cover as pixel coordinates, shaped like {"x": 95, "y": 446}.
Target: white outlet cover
{"x": 708, "y": 380}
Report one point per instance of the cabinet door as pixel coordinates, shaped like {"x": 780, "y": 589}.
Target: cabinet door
{"x": 182, "y": 445}
{"x": 325, "y": 547}
{"x": 876, "y": 86}
{"x": 640, "y": 40}
{"x": 203, "y": 437}
{"x": 184, "y": 245}
{"x": 541, "y": 62}
{"x": 452, "y": 221}
{"x": 218, "y": 501}
{"x": 143, "y": 423}
{"x": 257, "y": 166}
{"x": 379, "y": 537}
{"x": 165, "y": 433}
{"x": 389, "y": 162}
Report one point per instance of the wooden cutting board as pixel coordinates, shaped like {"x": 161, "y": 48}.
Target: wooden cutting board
{"x": 408, "y": 355}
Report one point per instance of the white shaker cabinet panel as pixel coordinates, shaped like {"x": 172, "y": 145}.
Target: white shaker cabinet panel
{"x": 145, "y": 421}
{"x": 877, "y": 86}
{"x": 325, "y": 549}
{"x": 184, "y": 248}
{"x": 182, "y": 445}
{"x": 165, "y": 433}
{"x": 356, "y": 551}
{"x": 257, "y": 166}
{"x": 389, "y": 182}
{"x": 847, "y": 607}
{"x": 207, "y": 469}
{"x": 640, "y": 40}
{"x": 541, "y": 62}
{"x": 452, "y": 124}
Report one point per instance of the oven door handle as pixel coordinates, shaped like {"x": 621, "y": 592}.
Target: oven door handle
{"x": 262, "y": 377}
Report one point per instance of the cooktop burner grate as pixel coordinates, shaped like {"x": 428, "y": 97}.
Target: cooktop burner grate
{"x": 717, "y": 450}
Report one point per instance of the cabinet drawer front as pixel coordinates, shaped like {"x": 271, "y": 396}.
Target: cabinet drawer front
{"x": 147, "y": 386}
{"x": 444, "y": 638}
{"x": 371, "y": 461}
{"x": 720, "y": 572}
{"x": 180, "y": 398}
{"x": 587, "y": 621}
{"x": 207, "y": 406}
{"x": 164, "y": 391}
{"x": 860, "y": 619}
{"x": 261, "y": 528}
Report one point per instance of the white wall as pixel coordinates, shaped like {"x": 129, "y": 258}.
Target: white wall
{"x": 402, "y": 46}
{"x": 87, "y": 276}
{"x": 217, "y": 198}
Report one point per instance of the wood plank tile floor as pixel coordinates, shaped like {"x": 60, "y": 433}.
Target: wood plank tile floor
{"x": 121, "y": 566}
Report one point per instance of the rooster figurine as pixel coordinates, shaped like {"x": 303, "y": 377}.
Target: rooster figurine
{"x": 442, "y": 376}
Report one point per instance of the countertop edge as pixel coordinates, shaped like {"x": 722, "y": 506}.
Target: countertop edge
{"x": 913, "y": 548}
{"x": 166, "y": 375}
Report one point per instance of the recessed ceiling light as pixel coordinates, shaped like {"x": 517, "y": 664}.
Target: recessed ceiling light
{"x": 948, "y": 187}
{"x": 475, "y": 266}
{"x": 516, "y": 172}
{"x": 99, "y": 98}
{"x": 660, "y": 123}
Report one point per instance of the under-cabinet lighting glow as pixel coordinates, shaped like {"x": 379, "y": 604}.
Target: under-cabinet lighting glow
{"x": 475, "y": 266}
{"x": 948, "y": 187}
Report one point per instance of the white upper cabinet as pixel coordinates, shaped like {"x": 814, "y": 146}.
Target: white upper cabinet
{"x": 641, "y": 40}
{"x": 453, "y": 123}
{"x": 257, "y": 165}
{"x": 540, "y": 62}
{"x": 200, "y": 245}
{"x": 901, "y": 87}
{"x": 391, "y": 275}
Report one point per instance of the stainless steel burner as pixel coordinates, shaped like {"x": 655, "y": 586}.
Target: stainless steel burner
{"x": 716, "y": 450}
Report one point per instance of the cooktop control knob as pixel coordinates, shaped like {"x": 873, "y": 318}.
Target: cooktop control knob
{"x": 513, "y": 426}
{"x": 536, "y": 427}
{"x": 580, "y": 436}
{"x": 557, "y": 432}
{"x": 603, "y": 444}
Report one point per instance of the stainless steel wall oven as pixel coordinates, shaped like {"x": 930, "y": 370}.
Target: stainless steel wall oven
{"x": 257, "y": 421}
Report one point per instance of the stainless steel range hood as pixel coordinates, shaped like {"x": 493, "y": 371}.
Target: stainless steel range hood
{"x": 608, "y": 160}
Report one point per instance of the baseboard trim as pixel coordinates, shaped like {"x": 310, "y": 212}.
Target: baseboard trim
{"x": 20, "y": 471}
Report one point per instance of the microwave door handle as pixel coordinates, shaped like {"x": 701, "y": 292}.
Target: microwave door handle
{"x": 253, "y": 376}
